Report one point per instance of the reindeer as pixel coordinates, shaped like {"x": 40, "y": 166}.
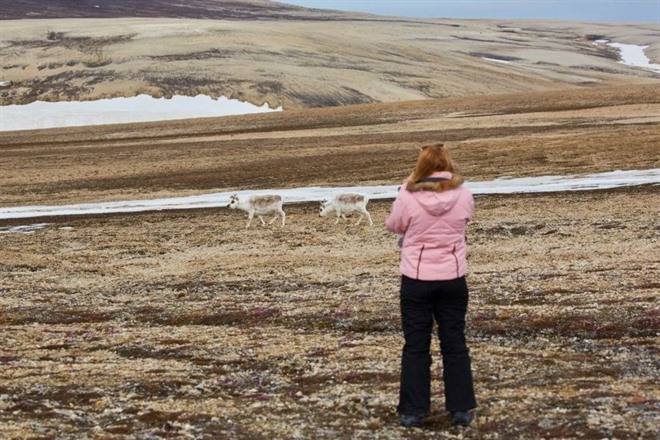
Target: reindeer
{"x": 259, "y": 205}
{"x": 343, "y": 204}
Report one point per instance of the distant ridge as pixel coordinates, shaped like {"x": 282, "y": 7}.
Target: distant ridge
{"x": 197, "y": 9}
{"x": 262, "y": 51}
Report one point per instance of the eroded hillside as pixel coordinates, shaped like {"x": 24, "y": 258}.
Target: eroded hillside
{"x": 295, "y": 57}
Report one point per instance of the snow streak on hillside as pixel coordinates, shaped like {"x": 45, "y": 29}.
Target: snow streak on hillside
{"x": 312, "y": 194}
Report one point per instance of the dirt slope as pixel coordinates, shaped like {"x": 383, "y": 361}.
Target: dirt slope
{"x": 500, "y": 135}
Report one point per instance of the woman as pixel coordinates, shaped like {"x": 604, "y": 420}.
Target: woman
{"x": 431, "y": 212}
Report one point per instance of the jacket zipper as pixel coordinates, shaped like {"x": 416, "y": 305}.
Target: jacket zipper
{"x": 419, "y": 260}
{"x": 453, "y": 252}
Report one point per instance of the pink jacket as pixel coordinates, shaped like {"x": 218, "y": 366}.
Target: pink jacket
{"x": 434, "y": 246}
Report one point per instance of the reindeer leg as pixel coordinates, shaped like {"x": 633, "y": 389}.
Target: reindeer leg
{"x": 249, "y": 220}
{"x": 263, "y": 223}
{"x": 371, "y": 222}
{"x": 273, "y": 219}
{"x": 283, "y": 217}
{"x": 359, "y": 219}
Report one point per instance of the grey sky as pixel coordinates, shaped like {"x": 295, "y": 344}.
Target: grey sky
{"x": 590, "y": 10}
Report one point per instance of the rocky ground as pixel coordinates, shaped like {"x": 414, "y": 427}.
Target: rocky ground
{"x": 182, "y": 324}
{"x": 185, "y": 325}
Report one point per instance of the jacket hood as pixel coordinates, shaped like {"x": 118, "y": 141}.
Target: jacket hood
{"x": 434, "y": 202}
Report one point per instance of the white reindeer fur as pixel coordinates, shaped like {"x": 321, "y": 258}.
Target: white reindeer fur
{"x": 259, "y": 205}
{"x": 343, "y": 204}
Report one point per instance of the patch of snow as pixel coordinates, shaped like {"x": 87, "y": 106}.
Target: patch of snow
{"x": 611, "y": 179}
{"x": 633, "y": 55}
{"x": 141, "y": 108}
{"x": 495, "y": 60}
{"x": 25, "y": 229}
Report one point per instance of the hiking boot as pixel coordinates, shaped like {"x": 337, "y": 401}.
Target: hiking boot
{"x": 461, "y": 418}
{"x": 412, "y": 421}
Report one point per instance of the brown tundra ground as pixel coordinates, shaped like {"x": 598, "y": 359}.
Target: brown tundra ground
{"x": 182, "y": 324}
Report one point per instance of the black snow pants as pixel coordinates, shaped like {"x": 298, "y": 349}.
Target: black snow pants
{"x": 421, "y": 303}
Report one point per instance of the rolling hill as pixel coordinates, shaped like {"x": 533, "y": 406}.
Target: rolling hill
{"x": 261, "y": 51}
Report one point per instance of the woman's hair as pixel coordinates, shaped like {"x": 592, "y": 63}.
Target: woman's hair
{"x": 433, "y": 158}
